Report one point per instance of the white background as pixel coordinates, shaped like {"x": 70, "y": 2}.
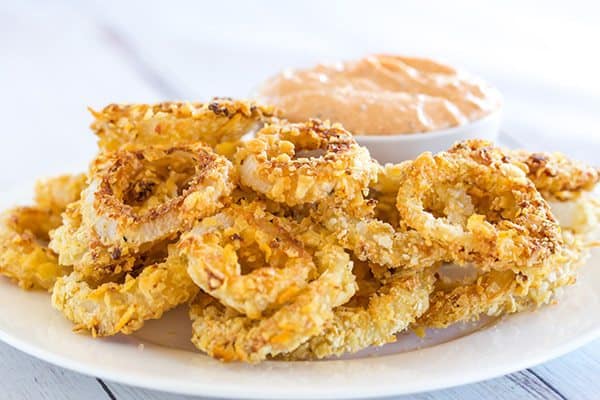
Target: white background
{"x": 57, "y": 58}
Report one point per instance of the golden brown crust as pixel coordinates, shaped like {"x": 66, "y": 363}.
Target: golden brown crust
{"x": 138, "y": 197}
{"x": 229, "y": 336}
{"x": 496, "y": 293}
{"x": 400, "y": 300}
{"x": 176, "y": 123}
{"x": 304, "y": 163}
{"x": 555, "y": 175}
{"x": 280, "y": 266}
{"x": 113, "y": 308}
{"x": 24, "y": 255}
{"x": 479, "y": 207}
{"x": 57, "y": 193}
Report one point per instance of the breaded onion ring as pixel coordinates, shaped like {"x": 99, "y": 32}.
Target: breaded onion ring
{"x": 396, "y": 304}
{"x": 144, "y": 196}
{"x": 24, "y": 233}
{"x": 176, "y": 123}
{"x": 24, "y": 255}
{"x": 56, "y": 193}
{"x": 554, "y": 175}
{"x": 124, "y": 307}
{"x": 557, "y": 176}
{"x": 374, "y": 240}
{"x": 496, "y": 292}
{"x": 213, "y": 248}
{"x": 78, "y": 245}
{"x": 304, "y": 163}
{"x": 227, "y": 335}
{"x": 481, "y": 209}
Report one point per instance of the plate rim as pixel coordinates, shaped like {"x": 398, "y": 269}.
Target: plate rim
{"x": 136, "y": 378}
{"x": 168, "y": 386}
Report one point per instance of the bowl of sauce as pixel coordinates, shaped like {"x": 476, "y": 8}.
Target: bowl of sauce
{"x": 396, "y": 106}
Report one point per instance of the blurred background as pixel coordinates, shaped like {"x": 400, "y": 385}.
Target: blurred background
{"x": 60, "y": 57}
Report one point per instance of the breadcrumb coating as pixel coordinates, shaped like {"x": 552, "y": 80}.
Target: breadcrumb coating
{"x": 124, "y": 307}
{"x": 304, "y": 163}
{"x": 176, "y": 123}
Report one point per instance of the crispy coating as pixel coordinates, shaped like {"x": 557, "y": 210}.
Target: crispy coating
{"x": 304, "y": 163}
{"x": 24, "y": 233}
{"x": 481, "y": 209}
{"x": 56, "y": 193}
{"x": 377, "y": 241}
{"x": 24, "y": 255}
{"x": 555, "y": 175}
{"x": 176, "y": 123}
{"x": 214, "y": 249}
{"x": 396, "y": 304}
{"x": 78, "y": 246}
{"x": 124, "y": 307}
{"x": 143, "y": 196}
{"x": 229, "y": 336}
{"x": 496, "y": 292}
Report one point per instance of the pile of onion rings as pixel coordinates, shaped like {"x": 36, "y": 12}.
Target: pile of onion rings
{"x": 294, "y": 244}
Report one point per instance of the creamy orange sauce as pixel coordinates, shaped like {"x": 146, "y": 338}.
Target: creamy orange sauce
{"x": 382, "y": 95}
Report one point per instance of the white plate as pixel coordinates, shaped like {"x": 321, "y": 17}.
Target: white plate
{"x": 160, "y": 356}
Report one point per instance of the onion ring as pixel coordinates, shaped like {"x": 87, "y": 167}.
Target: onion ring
{"x": 557, "y": 176}
{"x": 481, "y": 209}
{"x": 144, "y": 196}
{"x": 24, "y": 233}
{"x": 78, "y": 246}
{"x": 24, "y": 256}
{"x": 396, "y": 304}
{"x": 554, "y": 175}
{"x": 377, "y": 241}
{"x": 211, "y": 249}
{"x": 176, "y": 123}
{"x": 227, "y": 335}
{"x": 496, "y": 292}
{"x": 124, "y": 307}
{"x": 304, "y": 163}
{"x": 55, "y": 194}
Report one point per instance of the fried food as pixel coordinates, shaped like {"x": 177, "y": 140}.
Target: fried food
{"x": 390, "y": 309}
{"x": 277, "y": 269}
{"x": 496, "y": 293}
{"x": 554, "y": 175}
{"x": 377, "y": 241}
{"x": 24, "y": 233}
{"x": 78, "y": 246}
{"x": 557, "y": 176}
{"x": 481, "y": 209}
{"x": 169, "y": 124}
{"x": 228, "y": 335}
{"x": 304, "y": 163}
{"x": 24, "y": 254}
{"x": 144, "y": 196}
{"x": 56, "y": 193}
{"x": 295, "y": 244}
{"x": 123, "y": 307}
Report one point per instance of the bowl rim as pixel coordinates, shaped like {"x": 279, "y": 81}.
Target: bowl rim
{"x": 492, "y": 117}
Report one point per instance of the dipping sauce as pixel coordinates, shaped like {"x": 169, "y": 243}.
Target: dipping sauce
{"x": 382, "y": 95}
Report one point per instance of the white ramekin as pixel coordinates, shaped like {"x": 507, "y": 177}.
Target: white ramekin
{"x": 396, "y": 148}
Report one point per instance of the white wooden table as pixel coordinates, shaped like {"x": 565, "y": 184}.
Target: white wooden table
{"x": 58, "y": 58}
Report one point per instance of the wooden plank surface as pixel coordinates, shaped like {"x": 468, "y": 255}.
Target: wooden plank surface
{"x": 60, "y": 57}
{"x": 25, "y": 377}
